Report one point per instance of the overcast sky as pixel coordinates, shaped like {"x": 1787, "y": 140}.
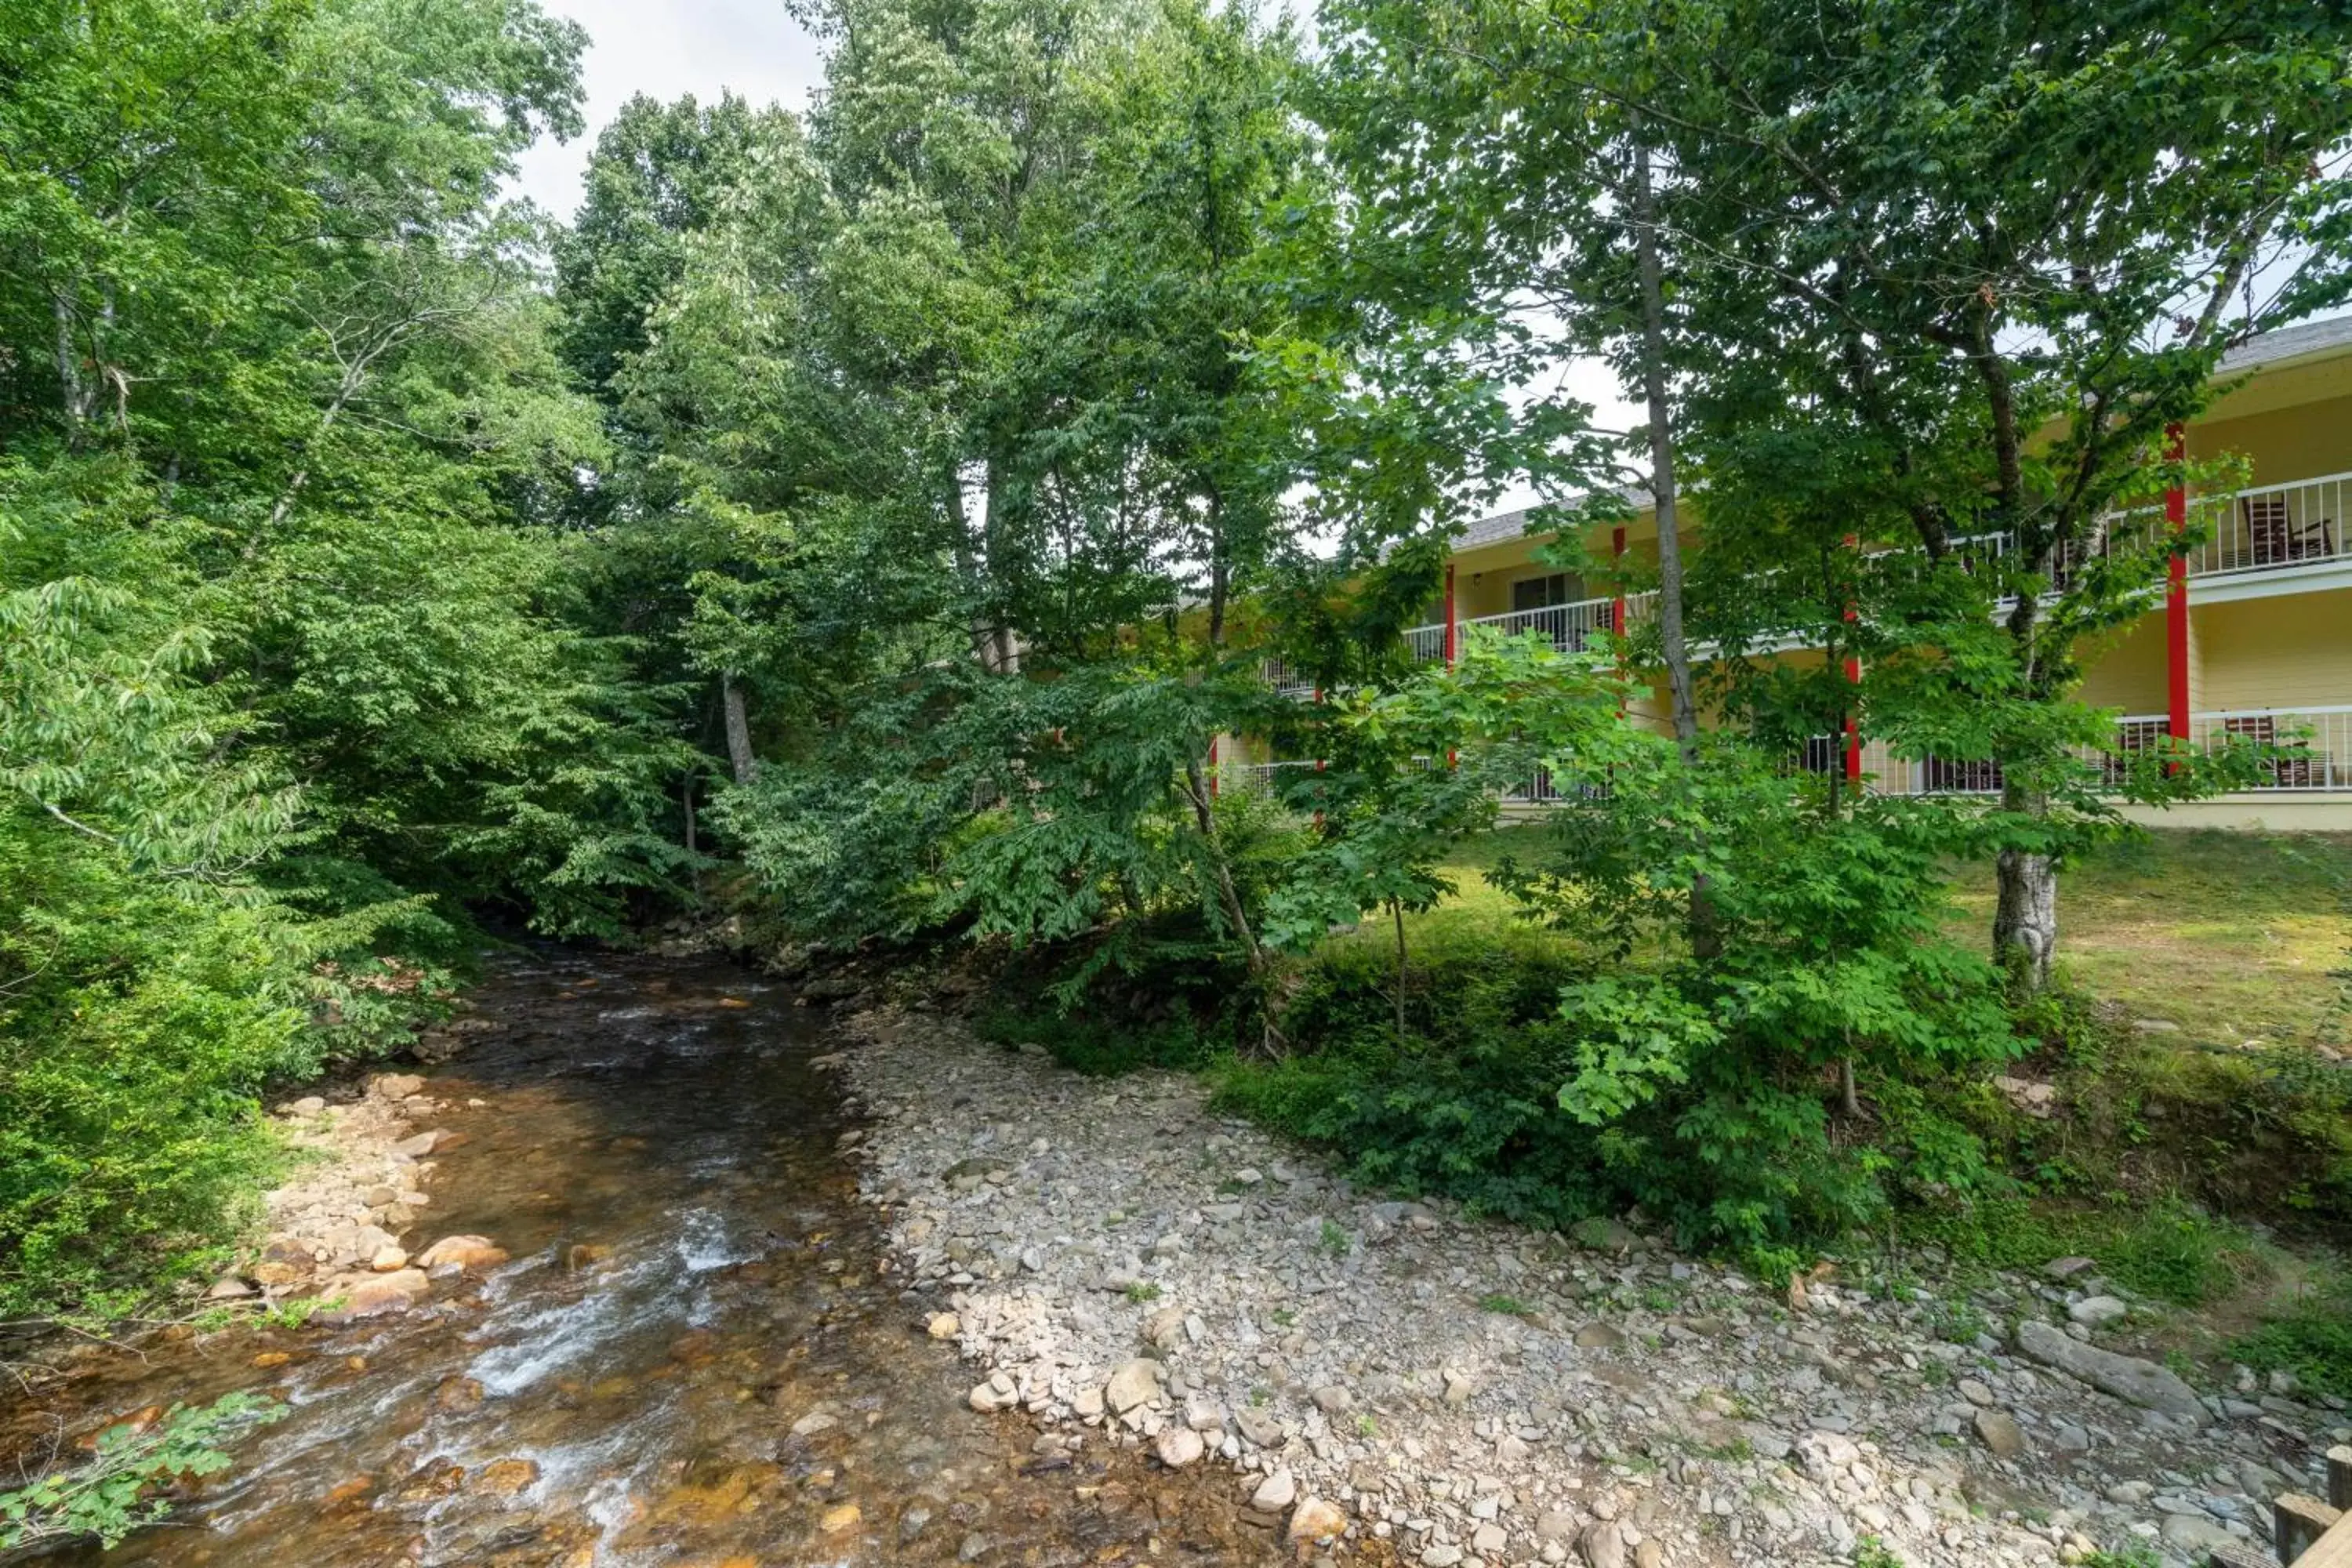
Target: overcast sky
{"x": 668, "y": 49}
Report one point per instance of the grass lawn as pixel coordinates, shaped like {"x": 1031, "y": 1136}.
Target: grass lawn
{"x": 2234, "y": 936}
{"x": 2238, "y": 937}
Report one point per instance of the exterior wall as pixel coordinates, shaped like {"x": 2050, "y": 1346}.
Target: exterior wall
{"x": 2293, "y": 650}
{"x": 2129, "y": 669}
{"x": 2286, "y": 811}
{"x": 1483, "y": 578}
{"x": 2293, "y": 423}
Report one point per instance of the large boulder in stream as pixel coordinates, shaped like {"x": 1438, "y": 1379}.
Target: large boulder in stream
{"x": 462, "y": 1252}
{"x": 380, "y": 1294}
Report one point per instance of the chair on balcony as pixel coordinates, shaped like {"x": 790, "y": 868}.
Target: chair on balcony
{"x": 2273, "y": 536}
{"x": 2294, "y": 766}
{"x": 2132, "y": 740}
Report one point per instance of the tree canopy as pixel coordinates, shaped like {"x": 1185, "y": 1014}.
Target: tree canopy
{"x": 884, "y": 518}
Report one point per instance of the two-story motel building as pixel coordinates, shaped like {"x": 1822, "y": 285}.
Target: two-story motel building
{"x": 2253, "y": 636}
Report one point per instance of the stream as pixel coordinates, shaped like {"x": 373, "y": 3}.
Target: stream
{"x": 697, "y": 1355}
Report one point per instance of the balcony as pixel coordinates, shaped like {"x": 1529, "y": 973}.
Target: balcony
{"x": 2312, "y": 751}
{"x": 2268, "y": 539}
{"x": 2274, "y": 527}
{"x": 1570, "y": 627}
{"x": 1287, "y": 682}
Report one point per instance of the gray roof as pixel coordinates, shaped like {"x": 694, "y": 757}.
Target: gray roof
{"x": 2289, "y": 342}
{"x": 1493, "y": 530}
{"x": 1508, "y": 525}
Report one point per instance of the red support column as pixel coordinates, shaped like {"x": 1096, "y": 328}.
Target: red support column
{"x": 1450, "y": 649}
{"x": 2176, "y": 593}
{"x": 1617, "y": 605}
{"x": 1212, "y": 768}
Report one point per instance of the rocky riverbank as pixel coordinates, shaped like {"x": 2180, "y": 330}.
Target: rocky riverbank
{"x": 1115, "y": 1258}
{"x": 343, "y": 1230}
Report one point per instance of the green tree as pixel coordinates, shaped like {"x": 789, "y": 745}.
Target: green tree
{"x": 660, "y": 174}
{"x": 1998, "y": 260}
{"x": 1407, "y": 774}
{"x": 294, "y": 663}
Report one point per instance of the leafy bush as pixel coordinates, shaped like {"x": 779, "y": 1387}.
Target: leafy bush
{"x": 1098, "y": 1047}
{"x": 1753, "y": 1026}
{"x": 118, "y": 1489}
{"x": 2312, "y": 1339}
{"x": 2168, "y": 1250}
{"x": 1462, "y": 1105}
{"x": 1770, "y": 1076}
{"x": 137, "y": 1032}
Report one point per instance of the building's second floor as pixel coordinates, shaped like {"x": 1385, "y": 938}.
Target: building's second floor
{"x": 2286, "y": 422}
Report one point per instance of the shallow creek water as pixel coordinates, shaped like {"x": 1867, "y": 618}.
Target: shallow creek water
{"x": 693, "y": 1275}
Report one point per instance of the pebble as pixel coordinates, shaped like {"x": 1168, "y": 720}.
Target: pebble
{"x": 1314, "y": 1520}
{"x": 1179, "y": 1447}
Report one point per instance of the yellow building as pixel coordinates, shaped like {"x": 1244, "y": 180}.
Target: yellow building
{"x": 2253, "y": 638}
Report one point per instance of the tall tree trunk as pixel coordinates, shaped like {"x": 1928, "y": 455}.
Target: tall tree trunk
{"x": 1662, "y": 457}
{"x": 1003, "y": 656}
{"x": 2025, "y": 915}
{"x": 75, "y": 390}
{"x": 693, "y": 848}
{"x": 292, "y": 490}
{"x": 738, "y": 731}
{"x": 1229, "y": 896}
{"x": 1274, "y": 987}
{"x": 1663, "y": 493}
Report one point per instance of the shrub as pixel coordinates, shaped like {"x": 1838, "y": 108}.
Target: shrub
{"x": 1463, "y": 1105}
{"x": 138, "y": 1024}
{"x": 2167, "y": 1249}
{"x": 1770, "y": 1076}
{"x": 119, "y": 1488}
{"x": 2312, "y": 1339}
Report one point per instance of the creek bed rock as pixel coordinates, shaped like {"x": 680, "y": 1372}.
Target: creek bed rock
{"x": 344, "y": 1228}
{"x": 1109, "y": 1254}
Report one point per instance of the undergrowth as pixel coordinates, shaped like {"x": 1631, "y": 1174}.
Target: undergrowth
{"x": 2311, "y": 1337}
{"x": 2169, "y": 1250}
{"x": 2157, "y": 1158}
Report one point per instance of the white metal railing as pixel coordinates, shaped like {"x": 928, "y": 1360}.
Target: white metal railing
{"x": 2301, "y": 524}
{"x": 2311, "y": 747}
{"x": 2271, "y": 526}
{"x": 1287, "y": 681}
{"x": 1570, "y": 627}
{"x": 2311, "y": 750}
{"x": 2306, "y": 522}
{"x": 1544, "y": 789}
{"x": 1258, "y": 775}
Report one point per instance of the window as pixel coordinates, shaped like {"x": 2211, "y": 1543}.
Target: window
{"x": 1539, "y": 592}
